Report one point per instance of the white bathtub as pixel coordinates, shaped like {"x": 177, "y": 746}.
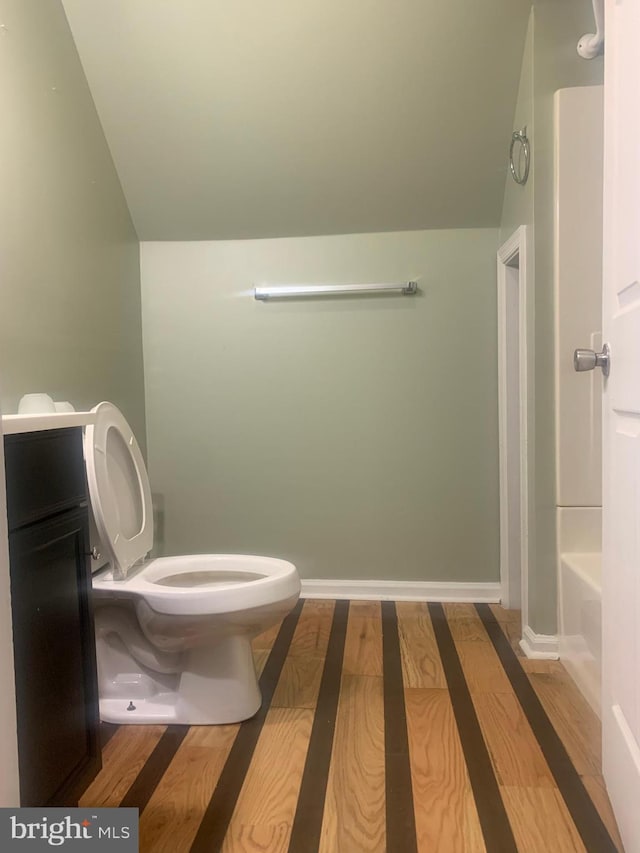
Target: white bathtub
{"x": 580, "y": 618}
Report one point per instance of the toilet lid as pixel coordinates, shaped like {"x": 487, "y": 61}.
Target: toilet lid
{"x": 118, "y": 488}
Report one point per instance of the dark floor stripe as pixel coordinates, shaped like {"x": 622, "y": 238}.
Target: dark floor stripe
{"x": 106, "y": 732}
{"x": 400, "y": 815}
{"x": 593, "y": 832}
{"x": 496, "y": 829}
{"x": 154, "y": 769}
{"x": 307, "y": 823}
{"x": 216, "y": 818}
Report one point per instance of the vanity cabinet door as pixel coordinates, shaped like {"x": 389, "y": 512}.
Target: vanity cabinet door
{"x": 54, "y": 653}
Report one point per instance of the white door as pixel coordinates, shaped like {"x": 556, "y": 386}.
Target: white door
{"x": 621, "y": 419}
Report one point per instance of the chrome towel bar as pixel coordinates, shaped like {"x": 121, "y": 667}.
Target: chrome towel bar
{"x": 289, "y": 291}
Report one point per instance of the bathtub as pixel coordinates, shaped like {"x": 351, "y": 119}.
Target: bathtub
{"x": 580, "y": 621}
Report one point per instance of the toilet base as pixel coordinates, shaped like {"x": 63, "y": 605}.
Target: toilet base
{"x": 163, "y": 710}
{"x": 217, "y": 685}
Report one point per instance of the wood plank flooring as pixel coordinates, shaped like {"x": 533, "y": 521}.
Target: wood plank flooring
{"x": 384, "y": 727}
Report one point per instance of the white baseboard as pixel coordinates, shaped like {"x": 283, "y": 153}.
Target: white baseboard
{"x": 373, "y": 590}
{"x": 539, "y": 646}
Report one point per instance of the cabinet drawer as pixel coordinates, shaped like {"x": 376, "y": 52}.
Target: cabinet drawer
{"x": 45, "y": 473}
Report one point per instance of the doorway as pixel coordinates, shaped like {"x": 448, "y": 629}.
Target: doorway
{"x": 512, "y": 421}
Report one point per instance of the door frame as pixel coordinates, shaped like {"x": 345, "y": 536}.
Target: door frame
{"x": 513, "y": 248}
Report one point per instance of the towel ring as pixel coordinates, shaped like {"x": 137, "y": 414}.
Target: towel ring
{"x": 521, "y": 137}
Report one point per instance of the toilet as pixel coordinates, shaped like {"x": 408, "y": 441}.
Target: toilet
{"x": 173, "y": 634}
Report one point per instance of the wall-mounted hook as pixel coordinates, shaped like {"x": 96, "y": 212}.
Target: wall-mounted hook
{"x": 592, "y": 44}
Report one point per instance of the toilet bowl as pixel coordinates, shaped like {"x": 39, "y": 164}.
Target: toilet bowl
{"x": 173, "y": 634}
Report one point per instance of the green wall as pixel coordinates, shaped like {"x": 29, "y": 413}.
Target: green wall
{"x": 550, "y": 62}
{"x": 355, "y": 436}
{"x": 70, "y": 321}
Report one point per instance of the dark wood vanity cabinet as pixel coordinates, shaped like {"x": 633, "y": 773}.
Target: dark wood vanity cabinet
{"x": 54, "y": 646}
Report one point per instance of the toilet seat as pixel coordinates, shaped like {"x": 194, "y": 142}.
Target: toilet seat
{"x": 121, "y": 502}
{"x": 119, "y": 489}
{"x": 278, "y": 580}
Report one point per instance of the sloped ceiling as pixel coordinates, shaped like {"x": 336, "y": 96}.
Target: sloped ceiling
{"x": 260, "y": 118}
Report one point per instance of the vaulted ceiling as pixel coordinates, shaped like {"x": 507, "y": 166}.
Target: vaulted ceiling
{"x": 260, "y": 118}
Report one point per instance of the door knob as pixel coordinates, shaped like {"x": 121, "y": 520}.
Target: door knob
{"x": 587, "y": 359}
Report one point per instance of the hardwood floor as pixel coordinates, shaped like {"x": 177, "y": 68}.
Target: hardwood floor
{"x": 384, "y": 727}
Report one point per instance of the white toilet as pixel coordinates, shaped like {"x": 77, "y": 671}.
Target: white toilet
{"x": 173, "y": 634}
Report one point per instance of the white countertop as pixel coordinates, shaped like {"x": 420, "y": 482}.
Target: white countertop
{"x": 12, "y": 424}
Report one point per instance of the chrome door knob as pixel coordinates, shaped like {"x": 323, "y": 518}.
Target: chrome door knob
{"x": 587, "y": 359}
